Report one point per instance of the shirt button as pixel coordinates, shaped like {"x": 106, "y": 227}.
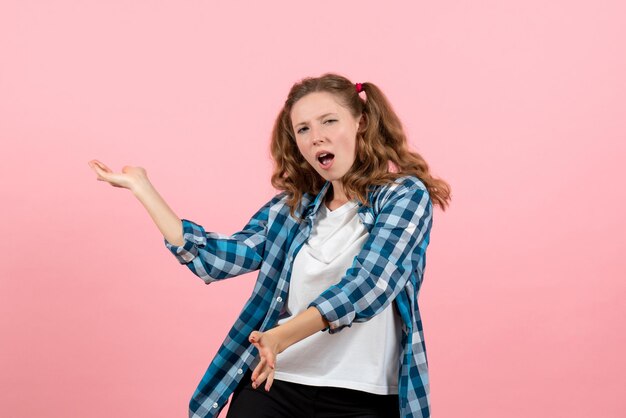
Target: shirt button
{"x": 279, "y": 299}
{"x": 240, "y": 371}
{"x": 215, "y": 405}
{"x": 290, "y": 258}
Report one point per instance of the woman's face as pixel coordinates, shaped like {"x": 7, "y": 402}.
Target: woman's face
{"x": 325, "y": 134}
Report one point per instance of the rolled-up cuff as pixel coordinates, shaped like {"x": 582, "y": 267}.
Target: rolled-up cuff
{"x": 335, "y": 307}
{"x": 194, "y": 237}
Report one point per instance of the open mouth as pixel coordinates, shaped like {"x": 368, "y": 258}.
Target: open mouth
{"x": 326, "y": 159}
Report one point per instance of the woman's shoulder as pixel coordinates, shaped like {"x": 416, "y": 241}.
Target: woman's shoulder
{"x": 402, "y": 185}
{"x": 411, "y": 181}
{"x": 278, "y": 204}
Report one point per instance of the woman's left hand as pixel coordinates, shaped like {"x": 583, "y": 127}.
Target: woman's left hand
{"x": 268, "y": 346}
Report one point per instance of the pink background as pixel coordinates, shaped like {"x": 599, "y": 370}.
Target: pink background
{"x": 520, "y": 106}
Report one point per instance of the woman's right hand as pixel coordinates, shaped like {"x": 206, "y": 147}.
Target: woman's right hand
{"x": 136, "y": 180}
{"x": 130, "y": 177}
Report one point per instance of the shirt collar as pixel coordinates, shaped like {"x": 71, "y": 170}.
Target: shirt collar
{"x": 314, "y": 206}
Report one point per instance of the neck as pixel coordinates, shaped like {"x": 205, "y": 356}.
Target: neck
{"x": 336, "y": 193}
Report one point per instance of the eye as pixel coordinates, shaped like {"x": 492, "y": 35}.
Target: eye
{"x": 330, "y": 120}
{"x": 302, "y": 129}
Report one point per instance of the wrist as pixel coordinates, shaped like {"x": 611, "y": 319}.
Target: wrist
{"x": 276, "y": 336}
{"x": 141, "y": 188}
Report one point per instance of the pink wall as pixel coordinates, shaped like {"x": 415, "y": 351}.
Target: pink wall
{"x": 520, "y": 105}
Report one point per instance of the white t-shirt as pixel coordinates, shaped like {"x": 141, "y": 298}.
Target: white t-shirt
{"x": 365, "y": 356}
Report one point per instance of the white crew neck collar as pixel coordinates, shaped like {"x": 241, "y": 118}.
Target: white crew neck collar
{"x": 341, "y": 209}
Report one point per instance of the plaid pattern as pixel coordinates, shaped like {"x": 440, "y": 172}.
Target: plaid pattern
{"x": 388, "y": 268}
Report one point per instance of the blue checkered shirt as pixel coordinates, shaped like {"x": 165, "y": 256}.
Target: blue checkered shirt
{"x": 389, "y": 267}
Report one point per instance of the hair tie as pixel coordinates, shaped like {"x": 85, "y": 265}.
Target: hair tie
{"x": 359, "y": 87}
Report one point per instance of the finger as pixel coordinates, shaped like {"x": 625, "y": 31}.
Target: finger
{"x": 270, "y": 380}
{"x": 271, "y": 361}
{"x": 262, "y": 377}
{"x": 254, "y": 337}
{"x": 103, "y": 176}
{"x": 99, "y": 170}
{"x": 102, "y": 166}
{"x": 92, "y": 165}
{"x": 258, "y": 369}
{"x": 269, "y": 356}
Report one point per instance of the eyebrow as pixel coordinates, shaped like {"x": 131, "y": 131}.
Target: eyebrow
{"x": 320, "y": 117}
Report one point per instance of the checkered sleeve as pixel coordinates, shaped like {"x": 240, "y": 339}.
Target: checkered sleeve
{"x": 385, "y": 262}
{"x": 214, "y": 256}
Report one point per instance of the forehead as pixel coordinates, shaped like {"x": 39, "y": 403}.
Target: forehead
{"x": 313, "y": 105}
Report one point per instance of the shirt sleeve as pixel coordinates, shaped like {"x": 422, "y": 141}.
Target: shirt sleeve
{"x": 384, "y": 264}
{"x": 214, "y": 256}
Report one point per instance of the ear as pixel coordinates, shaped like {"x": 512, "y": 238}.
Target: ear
{"x": 362, "y": 123}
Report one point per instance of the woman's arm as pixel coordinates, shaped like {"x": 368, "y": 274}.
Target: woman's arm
{"x": 393, "y": 252}
{"x": 136, "y": 180}
{"x": 209, "y": 255}
{"x": 276, "y": 340}
{"x": 163, "y": 216}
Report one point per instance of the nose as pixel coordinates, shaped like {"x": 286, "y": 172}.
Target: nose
{"x": 316, "y": 134}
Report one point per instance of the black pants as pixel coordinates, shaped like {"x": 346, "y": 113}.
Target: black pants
{"x": 293, "y": 400}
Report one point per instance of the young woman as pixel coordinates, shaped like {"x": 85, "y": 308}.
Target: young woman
{"x": 341, "y": 249}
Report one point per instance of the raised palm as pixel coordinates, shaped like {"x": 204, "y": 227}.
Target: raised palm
{"x": 128, "y": 178}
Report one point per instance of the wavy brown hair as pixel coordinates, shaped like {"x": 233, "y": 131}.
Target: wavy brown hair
{"x": 382, "y": 152}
